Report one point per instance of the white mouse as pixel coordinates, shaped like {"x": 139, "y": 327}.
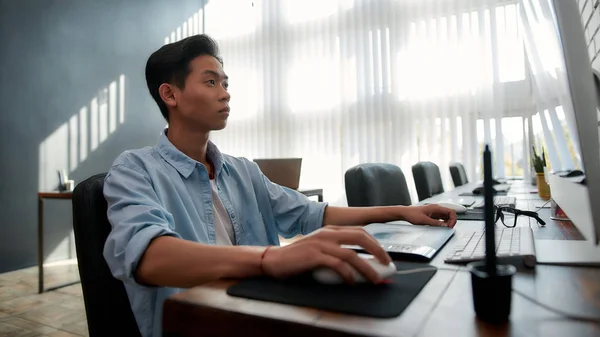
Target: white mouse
{"x": 329, "y": 276}
{"x": 458, "y": 208}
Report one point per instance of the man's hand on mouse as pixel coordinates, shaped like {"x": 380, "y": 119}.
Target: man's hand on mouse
{"x": 322, "y": 248}
{"x": 432, "y": 215}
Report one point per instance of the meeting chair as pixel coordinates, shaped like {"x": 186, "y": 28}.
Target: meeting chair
{"x": 376, "y": 184}
{"x": 459, "y": 174}
{"x": 428, "y": 179}
{"x": 106, "y": 303}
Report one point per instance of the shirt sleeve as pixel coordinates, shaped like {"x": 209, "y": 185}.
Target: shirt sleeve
{"x": 294, "y": 213}
{"x": 136, "y": 217}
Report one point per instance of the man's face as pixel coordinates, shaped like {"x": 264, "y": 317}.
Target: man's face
{"x": 204, "y": 103}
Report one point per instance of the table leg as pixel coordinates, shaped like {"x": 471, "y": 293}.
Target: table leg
{"x": 320, "y": 197}
{"x": 40, "y": 245}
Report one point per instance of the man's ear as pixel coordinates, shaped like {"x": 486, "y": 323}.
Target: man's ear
{"x": 167, "y": 95}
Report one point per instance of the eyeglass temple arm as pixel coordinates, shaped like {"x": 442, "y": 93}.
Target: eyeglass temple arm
{"x": 533, "y": 215}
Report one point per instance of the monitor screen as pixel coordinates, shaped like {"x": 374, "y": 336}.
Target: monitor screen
{"x": 564, "y": 93}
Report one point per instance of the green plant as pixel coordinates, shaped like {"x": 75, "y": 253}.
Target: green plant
{"x": 538, "y": 162}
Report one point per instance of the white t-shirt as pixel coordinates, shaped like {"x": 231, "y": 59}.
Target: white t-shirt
{"x": 223, "y": 227}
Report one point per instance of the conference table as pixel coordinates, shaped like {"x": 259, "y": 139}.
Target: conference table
{"x": 443, "y": 307}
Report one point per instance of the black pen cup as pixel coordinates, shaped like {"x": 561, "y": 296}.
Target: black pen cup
{"x": 491, "y": 293}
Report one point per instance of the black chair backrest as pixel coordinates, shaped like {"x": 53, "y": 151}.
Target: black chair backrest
{"x": 106, "y": 303}
{"x": 376, "y": 184}
{"x": 428, "y": 179}
{"x": 458, "y": 173}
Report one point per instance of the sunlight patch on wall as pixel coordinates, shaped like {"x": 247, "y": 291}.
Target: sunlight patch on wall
{"x": 94, "y": 124}
{"x": 83, "y": 133}
{"x": 121, "y": 99}
{"x": 73, "y": 141}
{"x": 53, "y": 157}
{"x": 112, "y": 106}
{"x": 192, "y": 26}
{"x": 103, "y": 114}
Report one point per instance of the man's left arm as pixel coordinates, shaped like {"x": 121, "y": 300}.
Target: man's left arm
{"x": 433, "y": 215}
{"x": 296, "y": 214}
{"x": 293, "y": 212}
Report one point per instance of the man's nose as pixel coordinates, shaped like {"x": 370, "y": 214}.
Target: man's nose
{"x": 226, "y": 96}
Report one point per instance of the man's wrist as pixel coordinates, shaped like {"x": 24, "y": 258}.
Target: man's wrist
{"x": 262, "y": 260}
{"x": 401, "y": 212}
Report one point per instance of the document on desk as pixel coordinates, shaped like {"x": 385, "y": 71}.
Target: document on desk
{"x": 405, "y": 241}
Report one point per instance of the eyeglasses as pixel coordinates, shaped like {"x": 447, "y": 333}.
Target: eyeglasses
{"x": 509, "y": 215}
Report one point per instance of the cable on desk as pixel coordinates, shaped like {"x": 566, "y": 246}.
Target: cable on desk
{"x": 557, "y": 311}
{"x": 415, "y": 270}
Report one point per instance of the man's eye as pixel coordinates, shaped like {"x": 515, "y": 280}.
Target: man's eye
{"x": 226, "y": 85}
{"x": 211, "y": 82}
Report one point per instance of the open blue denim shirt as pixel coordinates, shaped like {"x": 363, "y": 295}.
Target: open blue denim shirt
{"x": 159, "y": 190}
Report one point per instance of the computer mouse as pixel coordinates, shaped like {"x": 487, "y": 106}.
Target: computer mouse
{"x": 573, "y": 173}
{"x": 479, "y": 190}
{"x": 458, "y": 208}
{"x": 329, "y": 276}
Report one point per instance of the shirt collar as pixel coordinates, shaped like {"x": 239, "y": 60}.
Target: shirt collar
{"x": 181, "y": 162}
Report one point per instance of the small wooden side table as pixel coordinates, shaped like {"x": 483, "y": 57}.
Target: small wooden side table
{"x": 41, "y": 197}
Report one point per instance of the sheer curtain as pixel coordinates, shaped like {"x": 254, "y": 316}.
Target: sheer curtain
{"x": 343, "y": 82}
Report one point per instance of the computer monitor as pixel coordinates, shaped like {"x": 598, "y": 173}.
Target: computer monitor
{"x": 282, "y": 171}
{"x": 562, "y": 75}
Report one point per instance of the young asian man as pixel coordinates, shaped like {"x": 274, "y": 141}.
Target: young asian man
{"x": 183, "y": 213}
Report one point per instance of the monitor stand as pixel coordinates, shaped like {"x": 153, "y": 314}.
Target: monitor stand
{"x": 567, "y": 252}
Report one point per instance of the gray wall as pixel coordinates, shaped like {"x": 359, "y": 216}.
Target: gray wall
{"x": 57, "y": 57}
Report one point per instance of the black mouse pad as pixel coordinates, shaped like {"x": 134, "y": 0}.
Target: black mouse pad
{"x": 374, "y": 300}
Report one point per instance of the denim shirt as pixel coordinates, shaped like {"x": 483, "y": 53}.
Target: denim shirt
{"x": 159, "y": 190}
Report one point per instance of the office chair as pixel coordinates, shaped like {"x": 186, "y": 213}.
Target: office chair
{"x": 428, "y": 179}
{"x": 106, "y": 303}
{"x": 459, "y": 174}
{"x": 376, "y": 185}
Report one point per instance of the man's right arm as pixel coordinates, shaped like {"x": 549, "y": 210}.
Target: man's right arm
{"x": 173, "y": 262}
{"x": 143, "y": 248}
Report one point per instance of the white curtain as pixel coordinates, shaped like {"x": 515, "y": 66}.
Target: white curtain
{"x": 343, "y": 82}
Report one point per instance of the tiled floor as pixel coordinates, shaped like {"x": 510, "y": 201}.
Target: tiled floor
{"x": 57, "y": 313}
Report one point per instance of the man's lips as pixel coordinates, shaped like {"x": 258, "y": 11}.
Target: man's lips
{"x": 225, "y": 109}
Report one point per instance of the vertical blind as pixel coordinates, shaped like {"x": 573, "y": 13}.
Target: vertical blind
{"x": 343, "y": 82}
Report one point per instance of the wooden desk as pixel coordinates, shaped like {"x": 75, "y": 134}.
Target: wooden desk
{"x": 443, "y": 308}
{"x": 41, "y": 197}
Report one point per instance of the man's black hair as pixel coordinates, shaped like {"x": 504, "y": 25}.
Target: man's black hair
{"x": 170, "y": 64}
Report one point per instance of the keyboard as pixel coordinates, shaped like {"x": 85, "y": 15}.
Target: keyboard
{"x": 501, "y": 201}
{"x": 513, "y": 246}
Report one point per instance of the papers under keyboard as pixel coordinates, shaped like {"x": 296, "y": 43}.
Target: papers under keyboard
{"x": 500, "y": 201}
{"x": 513, "y": 246}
